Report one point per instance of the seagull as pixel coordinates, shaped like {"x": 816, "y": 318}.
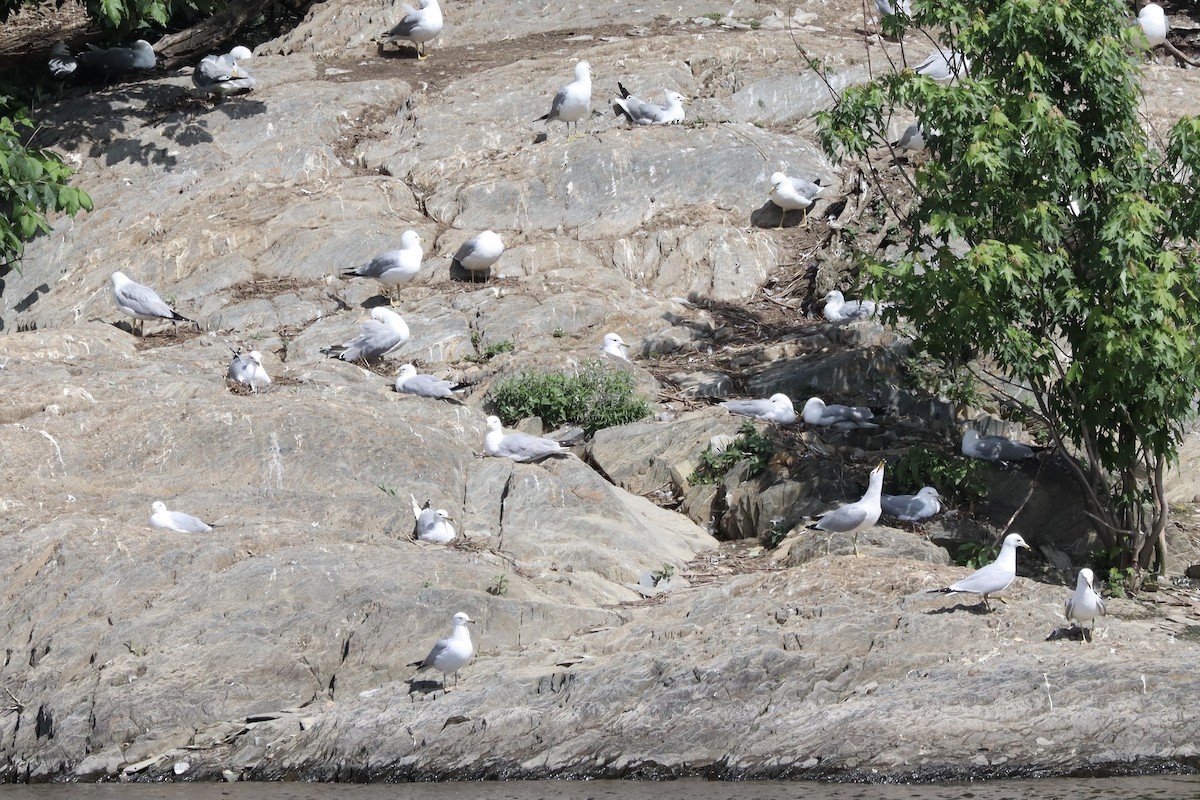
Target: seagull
{"x": 452, "y": 653}
{"x": 380, "y": 335}
{"x": 573, "y": 101}
{"x": 223, "y": 76}
{"x": 248, "y": 370}
{"x": 479, "y": 253}
{"x": 854, "y": 518}
{"x": 912, "y": 507}
{"x": 639, "y": 112}
{"x": 63, "y": 63}
{"x": 393, "y": 267}
{"x": 888, "y": 10}
{"x": 816, "y": 412}
{"x": 776, "y": 408}
{"x": 419, "y": 25}
{"x": 943, "y": 68}
{"x": 518, "y": 446}
{"x": 175, "y": 520}
{"x": 433, "y": 525}
{"x": 1085, "y": 605}
{"x": 993, "y": 448}
{"x": 1153, "y": 22}
{"x": 995, "y": 577}
{"x": 615, "y": 346}
{"x": 839, "y": 309}
{"x": 409, "y": 381}
{"x": 913, "y": 139}
{"x": 141, "y": 302}
{"x": 792, "y": 194}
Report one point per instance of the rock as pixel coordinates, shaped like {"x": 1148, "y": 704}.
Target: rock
{"x": 276, "y": 646}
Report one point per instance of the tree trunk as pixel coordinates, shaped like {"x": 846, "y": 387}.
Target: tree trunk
{"x": 191, "y": 44}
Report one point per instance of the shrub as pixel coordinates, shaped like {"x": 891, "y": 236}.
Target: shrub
{"x": 751, "y": 445}
{"x": 593, "y": 398}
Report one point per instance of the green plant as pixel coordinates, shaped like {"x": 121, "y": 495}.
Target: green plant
{"x": 953, "y": 475}
{"x": 32, "y": 183}
{"x": 596, "y": 397}
{"x": 715, "y": 16}
{"x": 498, "y": 586}
{"x": 138, "y": 650}
{"x": 974, "y": 555}
{"x": 751, "y": 446}
{"x": 1052, "y": 250}
{"x": 662, "y": 573}
{"x": 489, "y": 351}
{"x": 558, "y": 333}
{"x": 777, "y": 533}
{"x": 388, "y": 490}
{"x": 755, "y": 24}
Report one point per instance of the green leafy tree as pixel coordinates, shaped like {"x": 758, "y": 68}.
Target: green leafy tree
{"x": 1051, "y": 247}
{"x": 32, "y": 182}
{"x": 122, "y": 17}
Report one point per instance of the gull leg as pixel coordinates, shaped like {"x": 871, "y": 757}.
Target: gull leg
{"x": 806, "y": 217}
{"x": 854, "y": 542}
{"x": 782, "y": 214}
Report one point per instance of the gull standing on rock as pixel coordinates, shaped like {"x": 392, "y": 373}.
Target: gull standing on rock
{"x": 518, "y": 446}
{"x": 995, "y": 577}
{"x": 452, "y": 653}
{"x": 792, "y": 194}
{"x": 1153, "y": 22}
{"x": 393, "y": 267}
{"x": 223, "y": 76}
{"x": 912, "y": 507}
{"x": 409, "y": 381}
{"x": 777, "y": 408}
{"x": 573, "y": 101}
{"x": 639, "y": 112}
{"x": 419, "y": 25}
{"x": 141, "y": 302}
{"x": 433, "y": 524}
{"x": 816, "y": 412}
{"x": 247, "y": 369}
{"x": 175, "y": 520}
{"x": 479, "y": 253}
{"x": 613, "y": 345}
{"x": 993, "y": 448}
{"x": 1085, "y": 604}
{"x": 380, "y": 335}
{"x": 854, "y": 518}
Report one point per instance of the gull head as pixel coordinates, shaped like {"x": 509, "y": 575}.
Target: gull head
{"x": 240, "y": 53}
{"x": 1014, "y": 540}
{"x": 781, "y": 399}
{"x": 442, "y": 513}
{"x": 777, "y": 178}
{"x": 493, "y": 423}
{"x": 1085, "y": 579}
{"x": 158, "y": 506}
{"x": 410, "y": 239}
{"x": 583, "y": 71}
{"x": 255, "y": 356}
{"x": 461, "y": 618}
{"x": 407, "y": 371}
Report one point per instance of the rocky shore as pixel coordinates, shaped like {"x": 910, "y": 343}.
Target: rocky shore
{"x": 630, "y": 621}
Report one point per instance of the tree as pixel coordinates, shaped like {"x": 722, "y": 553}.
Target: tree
{"x": 1051, "y": 248}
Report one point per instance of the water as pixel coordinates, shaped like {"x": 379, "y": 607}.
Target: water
{"x": 1168, "y": 787}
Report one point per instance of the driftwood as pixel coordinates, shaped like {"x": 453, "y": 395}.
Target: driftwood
{"x": 191, "y": 44}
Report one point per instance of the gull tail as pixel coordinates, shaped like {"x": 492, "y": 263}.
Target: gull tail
{"x": 177, "y": 317}
{"x": 543, "y": 118}
{"x": 939, "y": 591}
{"x": 619, "y": 109}
{"x": 624, "y": 91}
